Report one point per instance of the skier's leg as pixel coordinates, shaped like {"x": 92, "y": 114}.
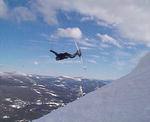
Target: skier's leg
{"x": 54, "y": 52}
{"x": 73, "y": 55}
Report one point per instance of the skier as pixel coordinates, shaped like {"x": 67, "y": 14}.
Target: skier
{"x": 61, "y": 56}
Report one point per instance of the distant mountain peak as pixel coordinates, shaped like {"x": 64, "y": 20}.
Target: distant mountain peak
{"x": 13, "y": 73}
{"x": 20, "y": 73}
{"x": 69, "y": 77}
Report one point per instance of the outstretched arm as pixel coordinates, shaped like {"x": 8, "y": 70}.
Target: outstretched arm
{"x": 54, "y": 52}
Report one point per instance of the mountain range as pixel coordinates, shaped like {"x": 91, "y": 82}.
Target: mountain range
{"x": 25, "y": 97}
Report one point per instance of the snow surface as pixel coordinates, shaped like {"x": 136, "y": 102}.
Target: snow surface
{"x": 124, "y": 100}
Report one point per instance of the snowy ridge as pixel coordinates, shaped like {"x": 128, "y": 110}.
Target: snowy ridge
{"x": 38, "y": 95}
{"x": 73, "y": 78}
{"x": 143, "y": 66}
{"x": 124, "y": 100}
{"x": 142, "y": 69}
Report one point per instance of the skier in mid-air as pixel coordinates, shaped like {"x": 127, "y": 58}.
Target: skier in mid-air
{"x": 61, "y": 56}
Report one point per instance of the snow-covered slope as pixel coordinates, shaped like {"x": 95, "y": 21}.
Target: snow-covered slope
{"x": 125, "y": 100}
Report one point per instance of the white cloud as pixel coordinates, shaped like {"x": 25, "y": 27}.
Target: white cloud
{"x": 35, "y": 62}
{"x": 3, "y": 9}
{"x": 92, "y": 61}
{"x": 88, "y": 18}
{"x": 105, "y": 53}
{"x": 108, "y": 39}
{"x": 17, "y": 13}
{"x": 131, "y": 17}
{"x": 130, "y": 45}
{"x": 74, "y": 33}
{"x": 85, "y": 48}
{"x": 86, "y": 43}
{"x": 95, "y": 56}
{"x": 105, "y": 24}
{"x": 103, "y": 45}
{"x": 123, "y": 54}
{"x": 46, "y": 9}
{"x": 22, "y": 14}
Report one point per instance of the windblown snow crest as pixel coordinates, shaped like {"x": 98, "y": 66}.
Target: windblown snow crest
{"x": 144, "y": 65}
{"x": 142, "y": 68}
{"x": 124, "y": 100}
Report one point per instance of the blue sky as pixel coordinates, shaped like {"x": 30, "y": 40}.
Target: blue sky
{"x": 112, "y": 38}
